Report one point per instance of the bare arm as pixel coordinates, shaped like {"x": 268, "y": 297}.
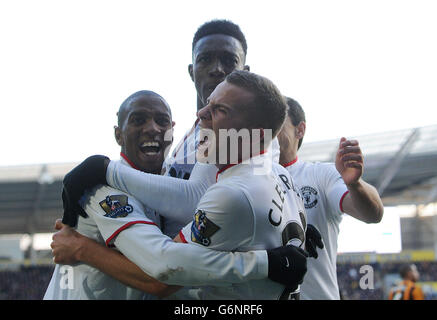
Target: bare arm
{"x": 363, "y": 201}
{"x": 69, "y": 247}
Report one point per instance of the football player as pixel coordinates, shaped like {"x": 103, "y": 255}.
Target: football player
{"x": 329, "y": 190}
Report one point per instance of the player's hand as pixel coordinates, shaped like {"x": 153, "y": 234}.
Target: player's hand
{"x": 287, "y": 265}
{"x": 86, "y": 175}
{"x": 349, "y": 161}
{"x": 66, "y": 244}
{"x": 313, "y": 240}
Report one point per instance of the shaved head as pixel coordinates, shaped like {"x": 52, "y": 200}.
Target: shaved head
{"x": 124, "y": 107}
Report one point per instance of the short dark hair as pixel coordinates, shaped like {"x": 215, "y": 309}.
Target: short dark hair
{"x": 404, "y": 270}
{"x": 268, "y": 107}
{"x": 121, "y": 114}
{"x": 220, "y": 27}
{"x": 296, "y": 114}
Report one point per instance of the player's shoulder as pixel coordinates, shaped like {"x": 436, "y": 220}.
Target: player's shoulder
{"x": 105, "y": 197}
{"x": 318, "y": 170}
{"x": 229, "y": 190}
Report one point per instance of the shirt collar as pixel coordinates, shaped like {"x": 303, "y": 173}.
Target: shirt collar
{"x": 128, "y": 161}
{"x": 290, "y": 163}
{"x": 222, "y": 170}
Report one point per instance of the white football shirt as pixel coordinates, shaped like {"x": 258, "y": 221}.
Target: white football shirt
{"x": 323, "y": 191}
{"x": 247, "y": 209}
{"x": 83, "y": 282}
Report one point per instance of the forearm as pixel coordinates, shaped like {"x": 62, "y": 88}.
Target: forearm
{"x": 119, "y": 267}
{"x": 181, "y": 196}
{"x": 187, "y": 264}
{"x": 363, "y": 202}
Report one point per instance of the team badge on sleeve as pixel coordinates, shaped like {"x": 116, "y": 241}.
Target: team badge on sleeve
{"x": 202, "y": 229}
{"x": 116, "y": 206}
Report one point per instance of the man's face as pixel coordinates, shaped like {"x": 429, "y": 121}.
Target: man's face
{"x": 214, "y": 57}
{"x": 142, "y": 133}
{"x": 225, "y": 109}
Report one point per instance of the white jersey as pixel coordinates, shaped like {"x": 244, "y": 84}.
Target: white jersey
{"x": 323, "y": 191}
{"x": 83, "y": 282}
{"x": 247, "y": 209}
{"x": 181, "y": 195}
{"x": 122, "y": 223}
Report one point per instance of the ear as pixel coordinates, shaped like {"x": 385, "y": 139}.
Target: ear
{"x": 300, "y": 130}
{"x": 117, "y": 134}
{"x": 190, "y": 71}
{"x": 246, "y": 68}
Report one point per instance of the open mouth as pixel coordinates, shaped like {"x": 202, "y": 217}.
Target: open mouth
{"x": 150, "y": 148}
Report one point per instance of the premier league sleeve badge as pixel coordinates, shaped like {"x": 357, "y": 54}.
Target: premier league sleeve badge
{"x": 116, "y": 206}
{"x": 202, "y": 229}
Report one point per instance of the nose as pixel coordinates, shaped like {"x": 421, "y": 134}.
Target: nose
{"x": 217, "y": 69}
{"x": 204, "y": 115}
{"x": 151, "y": 128}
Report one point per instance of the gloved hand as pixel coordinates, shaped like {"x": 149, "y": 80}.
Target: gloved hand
{"x": 313, "y": 240}
{"x": 88, "y": 174}
{"x": 287, "y": 265}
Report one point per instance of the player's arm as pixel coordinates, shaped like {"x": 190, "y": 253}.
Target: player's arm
{"x": 173, "y": 263}
{"x": 121, "y": 222}
{"x": 181, "y": 195}
{"x": 69, "y": 247}
{"x": 183, "y": 264}
{"x": 362, "y": 201}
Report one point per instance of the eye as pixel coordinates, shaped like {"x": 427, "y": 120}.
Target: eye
{"x": 230, "y": 61}
{"x": 162, "y": 121}
{"x": 204, "y": 59}
{"x": 138, "y": 120}
{"x": 219, "y": 109}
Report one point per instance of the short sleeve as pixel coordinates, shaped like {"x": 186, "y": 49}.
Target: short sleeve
{"x": 219, "y": 219}
{"x": 114, "y": 211}
{"x": 335, "y": 190}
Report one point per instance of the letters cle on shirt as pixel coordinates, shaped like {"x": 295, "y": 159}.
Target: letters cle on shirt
{"x": 245, "y": 211}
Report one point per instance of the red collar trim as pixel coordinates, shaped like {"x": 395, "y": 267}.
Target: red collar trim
{"x": 128, "y": 161}
{"x": 234, "y": 164}
{"x": 290, "y": 163}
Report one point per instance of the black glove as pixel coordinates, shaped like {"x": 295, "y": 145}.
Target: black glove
{"x": 86, "y": 175}
{"x": 313, "y": 239}
{"x": 287, "y": 265}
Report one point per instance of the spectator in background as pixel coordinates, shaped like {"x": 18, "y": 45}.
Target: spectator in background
{"x": 407, "y": 289}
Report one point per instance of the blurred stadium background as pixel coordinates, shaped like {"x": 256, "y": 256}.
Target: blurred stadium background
{"x": 401, "y": 164}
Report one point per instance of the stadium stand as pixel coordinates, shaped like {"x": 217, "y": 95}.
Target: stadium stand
{"x": 26, "y": 283}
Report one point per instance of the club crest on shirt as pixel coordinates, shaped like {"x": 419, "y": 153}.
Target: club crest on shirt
{"x": 116, "y": 206}
{"x": 310, "y": 196}
{"x": 202, "y": 229}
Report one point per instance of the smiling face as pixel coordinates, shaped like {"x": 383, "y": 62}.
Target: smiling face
{"x": 226, "y": 109}
{"x": 142, "y": 132}
{"x": 214, "y": 57}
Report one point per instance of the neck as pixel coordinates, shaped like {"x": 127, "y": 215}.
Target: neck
{"x": 287, "y": 155}
{"x": 133, "y": 165}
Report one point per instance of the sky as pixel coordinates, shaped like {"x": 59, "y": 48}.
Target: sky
{"x": 356, "y": 67}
